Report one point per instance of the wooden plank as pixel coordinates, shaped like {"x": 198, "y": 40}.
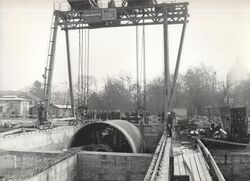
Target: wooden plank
{"x": 199, "y": 167}
{"x": 194, "y": 167}
{"x": 9, "y": 132}
{"x": 64, "y": 119}
{"x": 178, "y": 157}
{"x": 188, "y": 167}
{"x": 225, "y": 142}
{"x": 177, "y": 149}
{"x": 176, "y": 166}
{"x": 187, "y": 155}
{"x": 204, "y": 166}
{"x": 211, "y": 159}
{"x": 181, "y": 166}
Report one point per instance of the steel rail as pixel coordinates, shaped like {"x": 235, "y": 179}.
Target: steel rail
{"x": 157, "y": 159}
{"x": 165, "y": 170}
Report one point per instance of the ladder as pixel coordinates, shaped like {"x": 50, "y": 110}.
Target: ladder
{"x": 49, "y": 68}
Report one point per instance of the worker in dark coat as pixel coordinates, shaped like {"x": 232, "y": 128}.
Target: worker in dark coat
{"x": 111, "y": 4}
{"x": 41, "y": 113}
{"x": 169, "y": 124}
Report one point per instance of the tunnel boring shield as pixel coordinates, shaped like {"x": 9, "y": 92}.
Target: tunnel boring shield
{"x": 111, "y": 136}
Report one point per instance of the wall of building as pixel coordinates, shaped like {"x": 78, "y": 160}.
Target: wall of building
{"x": 4, "y": 108}
{"x": 24, "y": 108}
{"x": 20, "y": 108}
{"x": 105, "y": 166}
{"x": 233, "y": 164}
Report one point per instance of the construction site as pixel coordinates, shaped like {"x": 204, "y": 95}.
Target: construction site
{"x": 56, "y": 142}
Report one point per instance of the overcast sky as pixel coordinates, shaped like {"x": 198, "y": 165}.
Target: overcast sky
{"x": 218, "y": 34}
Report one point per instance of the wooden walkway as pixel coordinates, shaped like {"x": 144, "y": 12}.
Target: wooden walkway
{"x": 175, "y": 161}
{"x": 190, "y": 162}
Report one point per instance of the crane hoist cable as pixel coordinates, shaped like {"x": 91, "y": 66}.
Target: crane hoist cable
{"x": 79, "y": 65}
{"x": 87, "y": 65}
{"x": 85, "y": 60}
{"x": 80, "y": 68}
{"x": 137, "y": 69}
{"x": 82, "y": 76}
{"x": 144, "y": 67}
{"x": 85, "y": 71}
{"x": 83, "y": 67}
{"x": 141, "y": 67}
{"x": 86, "y": 68}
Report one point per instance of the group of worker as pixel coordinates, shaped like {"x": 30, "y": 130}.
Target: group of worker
{"x": 111, "y": 3}
{"x": 102, "y": 115}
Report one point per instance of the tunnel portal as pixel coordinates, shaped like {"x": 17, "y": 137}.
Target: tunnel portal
{"x": 109, "y": 136}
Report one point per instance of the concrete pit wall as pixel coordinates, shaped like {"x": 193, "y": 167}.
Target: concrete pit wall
{"x": 65, "y": 170}
{"x": 234, "y": 164}
{"x": 152, "y": 136}
{"x": 59, "y": 139}
{"x": 104, "y": 166}
{"x": 74, "y": 165}
{"x": 51, "y": 139}
{"x": 12, "y": 163}
{"x": 35, "y": 166}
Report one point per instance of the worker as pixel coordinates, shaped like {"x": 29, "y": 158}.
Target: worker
{"x": 169, "y": 124}
{"x": 111, "y": 4}
{"x": 41, "y": 112}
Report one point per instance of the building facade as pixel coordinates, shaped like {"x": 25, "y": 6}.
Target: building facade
{"x": 13, "y": 106}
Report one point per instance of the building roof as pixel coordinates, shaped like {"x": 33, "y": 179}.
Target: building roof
{"x": 62, "y": 106}
{"x": 59, "y": 106}
{"x": 11, "y": 98}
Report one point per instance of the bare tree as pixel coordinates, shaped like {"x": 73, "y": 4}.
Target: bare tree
{"x": 200, "y": 87}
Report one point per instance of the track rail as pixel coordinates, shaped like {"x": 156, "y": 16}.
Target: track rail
{"x": 160, "y": 165}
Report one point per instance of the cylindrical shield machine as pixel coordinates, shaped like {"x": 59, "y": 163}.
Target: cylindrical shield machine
{"x": 110, "y": 136}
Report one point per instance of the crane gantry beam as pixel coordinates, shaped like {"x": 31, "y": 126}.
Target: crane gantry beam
{"x": 176, "y": 13}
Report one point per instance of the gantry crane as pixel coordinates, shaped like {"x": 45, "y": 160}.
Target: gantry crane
{"x": 87, "y": 14}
